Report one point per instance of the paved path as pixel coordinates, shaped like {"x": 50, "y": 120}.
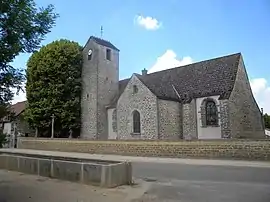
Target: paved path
{"x": 164, "y": 179}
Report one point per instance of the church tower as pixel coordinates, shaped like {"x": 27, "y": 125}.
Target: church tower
{"x": 100, "y": 77}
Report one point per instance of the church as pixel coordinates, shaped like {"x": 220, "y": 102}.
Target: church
{"x": 211, "y": 99}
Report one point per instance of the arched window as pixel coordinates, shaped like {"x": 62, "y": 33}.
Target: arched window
{"x": 136, "y": 122}
{"x": 211, "y": 113}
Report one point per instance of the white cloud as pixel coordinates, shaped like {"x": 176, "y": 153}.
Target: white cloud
{"x": 148, "y": 22}
{"x": 169, "y": 60}
{"x": 261, "y": 91}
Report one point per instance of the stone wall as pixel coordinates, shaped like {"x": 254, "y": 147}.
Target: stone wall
{"x": 170, "y": 120}
{"x": 225, "y": 119}
{"x": 89, "y": 92}
{"x": 145, "y": 102}
{"x": 100, "y": 79}
{"x": 210, "y": 149}
{"x": 189, "y": 120}
{"x": 245, "y": 116}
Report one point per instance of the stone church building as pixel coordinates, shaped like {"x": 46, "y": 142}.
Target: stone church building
{"x": 210, "y": 99}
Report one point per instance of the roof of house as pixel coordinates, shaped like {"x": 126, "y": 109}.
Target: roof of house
{"x": 206, "y": 78}
{"x": 103, "y": 42}
{"x": 18, "y": 108}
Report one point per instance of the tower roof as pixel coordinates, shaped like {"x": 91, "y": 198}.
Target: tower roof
{"x": 103, "y": 42}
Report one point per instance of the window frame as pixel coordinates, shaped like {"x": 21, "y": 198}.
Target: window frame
{"x": 205, "y": 114}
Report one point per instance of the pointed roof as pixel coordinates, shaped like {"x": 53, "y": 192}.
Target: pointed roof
{"x": 201, "y": 79}
{"x": 103, "y": 42}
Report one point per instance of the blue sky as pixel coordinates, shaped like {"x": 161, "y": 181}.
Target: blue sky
{"x": 159, "y": 34}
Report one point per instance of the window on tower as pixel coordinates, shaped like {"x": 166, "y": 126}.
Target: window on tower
{"x": 108, "y": 54}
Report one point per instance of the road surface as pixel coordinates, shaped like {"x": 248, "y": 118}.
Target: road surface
{"x": 204, "y": 183}
{"x": 158, "y": 180}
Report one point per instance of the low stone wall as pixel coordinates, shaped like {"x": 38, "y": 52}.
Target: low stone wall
{"x": 211, "y": 149}
{"x": 86, "y": 171}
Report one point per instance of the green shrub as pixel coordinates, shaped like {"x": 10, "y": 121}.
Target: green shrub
{"x": 3, "y": 139}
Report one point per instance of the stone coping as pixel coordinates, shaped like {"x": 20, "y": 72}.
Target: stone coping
{"x": 61, "y": 156}
{"x": 141, "y": 141}
{"x": 82, "y": 170}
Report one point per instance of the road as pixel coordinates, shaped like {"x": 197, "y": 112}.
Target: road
{"x": 158, "y": 180}
{"x": 204, "y": 183}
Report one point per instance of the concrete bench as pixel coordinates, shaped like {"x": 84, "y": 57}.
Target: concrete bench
{"x": 94, "y": 172}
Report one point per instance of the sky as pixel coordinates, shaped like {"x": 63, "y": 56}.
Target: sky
{"x": 157, "y": 35}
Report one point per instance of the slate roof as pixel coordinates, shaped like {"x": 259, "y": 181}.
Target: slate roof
{"x": 206, "y": 78}
{"x": 103, "y": 42}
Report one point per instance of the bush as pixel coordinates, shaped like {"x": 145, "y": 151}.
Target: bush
{"x": 3, "y": 139}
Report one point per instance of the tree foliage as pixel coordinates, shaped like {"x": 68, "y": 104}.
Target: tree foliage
{"x": 267, "y": 120}
{"x": 54, "y": 87}
{"x": 3, "y": 139}
{"x": 22, "y": 28}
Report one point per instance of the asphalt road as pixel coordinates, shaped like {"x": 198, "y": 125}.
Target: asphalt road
{"x": 157, "y": 182}
{"x": 203, "y": 183}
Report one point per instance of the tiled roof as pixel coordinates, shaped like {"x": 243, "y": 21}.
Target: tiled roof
{"x": 206, "y": 78}
{"x": 18, "y": 108}
{"x": 104, "y": 42}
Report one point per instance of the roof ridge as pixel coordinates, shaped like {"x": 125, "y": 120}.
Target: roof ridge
{"x": 95, "y": 37}
{"x": 103, "y": 42}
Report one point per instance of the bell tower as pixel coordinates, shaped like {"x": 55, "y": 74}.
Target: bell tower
{"x": 100, "y": 77}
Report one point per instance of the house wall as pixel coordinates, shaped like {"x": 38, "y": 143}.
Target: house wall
{"x": 207, "y": 132}
{"x": 170, "y": 120}
{"x": 245, "y": 115}
{"x": 145, "y": 102}
{"x": 111, "y": 121}
{"x": 7, "y": 128}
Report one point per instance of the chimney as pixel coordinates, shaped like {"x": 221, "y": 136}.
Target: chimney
{"x": 144, "y": 72}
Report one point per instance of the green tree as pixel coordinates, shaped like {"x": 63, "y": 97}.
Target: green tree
{"x": 22, "y": 28}
{"x": 266, "y": 120}
{"x": 54, "y": 87}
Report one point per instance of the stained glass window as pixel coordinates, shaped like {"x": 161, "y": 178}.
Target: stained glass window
{"x": 211, "y": 113}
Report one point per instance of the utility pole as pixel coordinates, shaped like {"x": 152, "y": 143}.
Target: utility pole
{"x": 52, "y": 125}
{"x": 36, "y": 134}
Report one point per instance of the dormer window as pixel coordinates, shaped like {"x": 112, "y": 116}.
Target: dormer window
{"x": 89, "y": 55}
{"x": 108, "y": 54}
